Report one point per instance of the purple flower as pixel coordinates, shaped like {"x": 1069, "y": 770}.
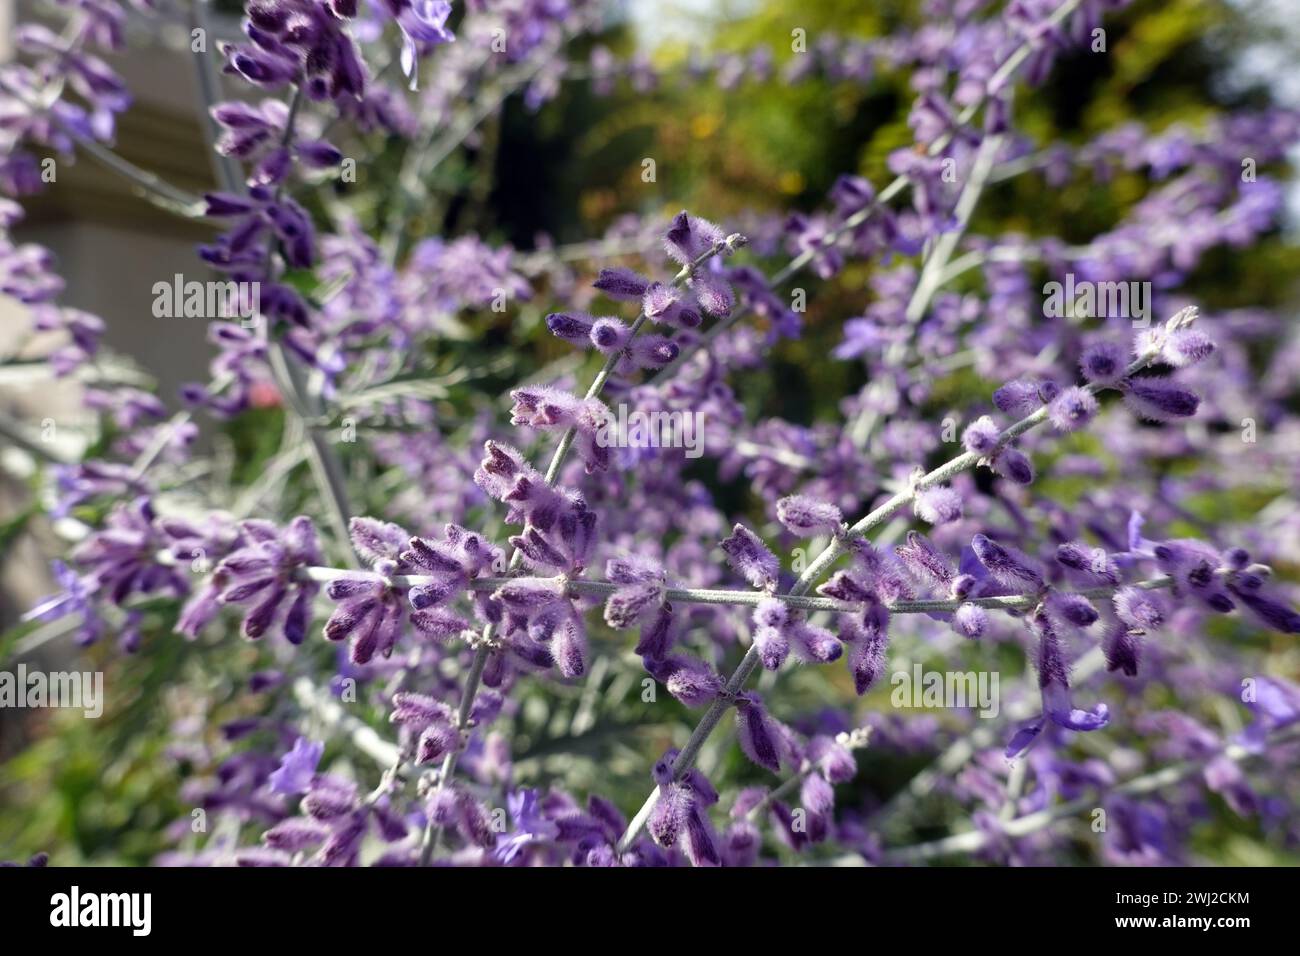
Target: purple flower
{"x": 531, "y": 825}
{"x": 866, "y": 638}
{"x": 297, "y": 768}
{"x": 970, "y": 621}
{"x": 488, "y": 632}
{"x": 370, "y": 609}
{"x": 1139, "y": 610}
{"x": 1072, "y": 609}
{"x": 1123, "y": 648}
{"x": 807, "y": 517}
{"x": 1184, "y": 347}
{"x": 813, "y": 236}
{"x": 689, "y": 237}
{"x": 430, "y": 720}
{"x": 1072, "y": 409}
{"x": 981, "y": 436}
{"x": 623, "y": 284}
{"x": 453, "y": 562}
{"x": 1054, "y": 681}
{"x": 681, "y": 813}
{"x": 643, "y": 583}
{"x": 553, "y": 410}
{"x": 1276, "y": 705}
{"x": 609, "y": 336}
{"x": 1007, "y": 565}
{"x": 1011, "y": 464}
{"x": 571, "y": 326}
{"x": 122, "y": 558}
{"x": 1271, "y": 612}
{"x": 813, "y": 644}
{"x": 771, "y": 618}
{"x": 560, "y": 518}
{"x": 750, "y": 557}
{"x": 1160, "y": 399}
{"x": 75, "y": 596}
{"x": 264, "y": 574}
{"x": 1019, "y": 397}
{"x": 691, "y": 681}
{"x": 294, "y": 835}
{"x": 423, "y": 23}
{"x": 1092, "y": 564}
{"x": 925, "y": 561}
{"x": 938, "y": 505}
{"x": 302, "y": 42}
{"x": 1103, "y": 363}
{"x": 539, "y": 613}
{"x": 761, "y": 738}
{"x": 851, "y": 193}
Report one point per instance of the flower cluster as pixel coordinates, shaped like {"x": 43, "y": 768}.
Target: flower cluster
{"x": 532, "y": 619}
